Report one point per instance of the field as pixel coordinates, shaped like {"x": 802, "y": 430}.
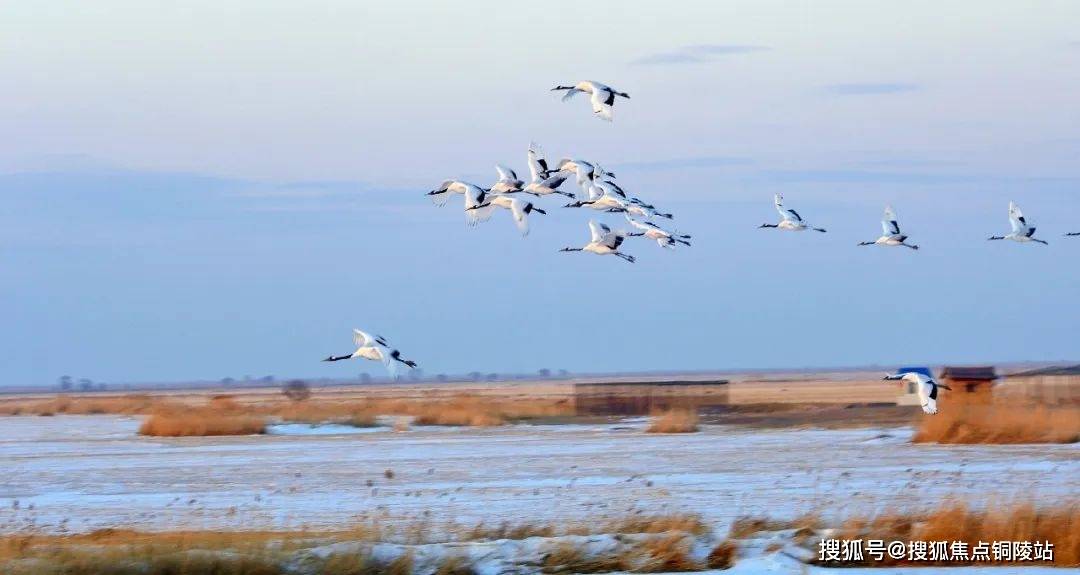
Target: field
{"x": 321, "y": 475}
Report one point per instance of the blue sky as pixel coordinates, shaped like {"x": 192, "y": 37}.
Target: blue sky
{"x": 224, "y": 189}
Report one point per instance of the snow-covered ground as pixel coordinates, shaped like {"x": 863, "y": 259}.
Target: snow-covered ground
{"x": 78, "y": 473}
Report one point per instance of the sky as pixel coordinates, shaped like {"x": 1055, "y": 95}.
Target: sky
{"x": 202, "y": 190}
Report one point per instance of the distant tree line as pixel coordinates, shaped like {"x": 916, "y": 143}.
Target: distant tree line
{"x": 68, "y": 383}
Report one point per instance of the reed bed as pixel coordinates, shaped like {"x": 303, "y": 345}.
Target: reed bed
{"x": 662, "y": 543}
{"x": 232, "y": 415}
{"x": 128, "y": 552}
{"x": 201, "y": 424}
{"x": 998, "y": 422}
{"x": 960, "y": 521}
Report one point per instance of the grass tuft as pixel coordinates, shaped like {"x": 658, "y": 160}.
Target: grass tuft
{"x": 674, "y": 421}
{"x": 722, "y": 556}
{"x": 666, "y": 554}
{"x": 200, "y": 424}
{"x": 455, "y": 565}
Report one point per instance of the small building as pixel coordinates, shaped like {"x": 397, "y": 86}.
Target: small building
{"x": 1059, "y": 384}
{"x": 978, "y": 379}
{"x": 615, "y": 397}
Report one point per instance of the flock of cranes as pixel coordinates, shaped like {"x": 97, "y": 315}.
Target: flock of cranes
{"x": 600, "y": 192}
{"x": 1022, "y": 231}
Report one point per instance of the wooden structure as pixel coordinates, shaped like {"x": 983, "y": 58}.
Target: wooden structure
{"x": 969, "y": 379}
{"x": 646, "y": 397}
{"x": 1049, "y": 385}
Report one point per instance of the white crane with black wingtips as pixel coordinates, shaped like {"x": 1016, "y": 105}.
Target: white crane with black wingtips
{"x": 1022, "y": 231}
{"x": 603, "y": 241}
{"x": 602, "y": 97}
{"x": 891, "y": 235}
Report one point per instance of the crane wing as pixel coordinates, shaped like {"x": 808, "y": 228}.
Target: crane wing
{"x": 601, "y": 104}
{"x": 598, "y": 230}
{"x": 889, "y": 224}
{"x": 1016, "y": 219}
{"x": 521, "y": 219}
{"x": 474, "y": 198}
{"x": 637, "y": 224}
{"x": 537, "y": 165}
{"x": 364, "y": 339}
{"x": 554, "y": 181}
{"x": 505, "y": 174}
{"x": 778, "y": 199}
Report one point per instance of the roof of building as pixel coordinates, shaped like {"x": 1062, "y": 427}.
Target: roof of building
{"x": 979, "y": 373}
{"x": 1052, "y": 370}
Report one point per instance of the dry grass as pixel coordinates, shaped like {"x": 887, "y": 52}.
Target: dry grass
{"x": 665, "y": 547}
{"x": 506, "y": 530}
{"x": 77, "y": 405}
{"x": 722, "y": 556}
{"x": 127, "y": 552}
{"x": 666, "y": 554}
{"x": 402, "y": 565}
{"x": 567, "y": 557}
{"x": 994, "y": 422}
{"x": 347, "y": 564}
{"x": 462, "y": 411}
{"x": 959, "y": 521}
{"x": 674, "y": 421}
{"x": 123, "y": 552}
{"x": 139, "y": 563}
{"x": 201, "y": 423}
{"x": 454, "y": 409}
{"x": 744, "y": 527}
{"x": 674, "y": 523}
{"x": 629, "y": 525}
{"x": 457, "y": 409}
{"x": 455, "y": 565}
